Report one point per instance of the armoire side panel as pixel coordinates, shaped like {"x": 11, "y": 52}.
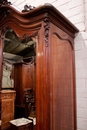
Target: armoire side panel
{"x": 62, "y": 87}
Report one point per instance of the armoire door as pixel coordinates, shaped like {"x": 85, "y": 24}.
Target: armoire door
{"x": 63, "y": 112}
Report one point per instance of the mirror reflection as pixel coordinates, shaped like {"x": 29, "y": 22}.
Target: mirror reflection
{"x": 19, "y": 64}
{"x": 16, "y": 50}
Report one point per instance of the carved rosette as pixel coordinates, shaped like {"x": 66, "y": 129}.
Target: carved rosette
{"x": 46, "y": 31}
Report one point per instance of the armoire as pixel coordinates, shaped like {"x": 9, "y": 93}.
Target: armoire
{"x": 55, "y": 97}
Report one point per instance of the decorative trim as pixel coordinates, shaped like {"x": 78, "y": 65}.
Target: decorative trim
{"x": 4, "y": 29}
{"x": 4, "y": 13}
{"x": 28, "y": 8}
{"x": 46, "y": 31}
{"x": 36, "y": 34}
{"x": 26, "y": 36}
{"x": 4, "y": 2}
{"x": 37, "y": 37}
{"x": 63, "y": 38}
{"x": 2, "y": 32}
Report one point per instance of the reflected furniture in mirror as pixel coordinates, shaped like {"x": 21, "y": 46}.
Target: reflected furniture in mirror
{"x": 7, "y": 107}
{"x": 21, "y": 124}
{"x": 39, "y": 43}
{"x": 19, "y": 62}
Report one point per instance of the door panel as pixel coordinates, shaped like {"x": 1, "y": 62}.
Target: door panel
{"x": 62, "y": 86}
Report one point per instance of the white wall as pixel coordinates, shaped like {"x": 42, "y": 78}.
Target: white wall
{"x": 7, "y": 81}
{"x": 76, "y": 12}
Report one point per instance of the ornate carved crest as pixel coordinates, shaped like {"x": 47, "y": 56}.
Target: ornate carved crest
{"x": 28, "y": 8}
{"x": 4, "y": 2}
{"x": 46, "y": 31}
{"x": 4, "y": 13}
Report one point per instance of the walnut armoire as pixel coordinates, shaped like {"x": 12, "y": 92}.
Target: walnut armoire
{"x": 55, "y": 63}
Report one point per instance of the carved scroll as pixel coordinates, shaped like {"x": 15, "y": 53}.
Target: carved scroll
{"x": 46, "y": 31}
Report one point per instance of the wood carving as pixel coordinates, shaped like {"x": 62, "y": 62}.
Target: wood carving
{"x": 5, "y": 2}
{"x": 27, "y": 37}
{"x": 36, "y": 35}
{"x": 46, "y": 31}
{"x": 54, "y": 73}
{"x": 4, "y": 13}
{"x": 28, "y": 8}
{"x": 4, "y": 30}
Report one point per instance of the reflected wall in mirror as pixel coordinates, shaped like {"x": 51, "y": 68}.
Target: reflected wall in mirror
{"x": 17, "y": 49}
{"x": 7, "y": 80}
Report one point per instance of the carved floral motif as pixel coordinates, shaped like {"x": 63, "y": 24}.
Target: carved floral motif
{"x": 46, "y": 31}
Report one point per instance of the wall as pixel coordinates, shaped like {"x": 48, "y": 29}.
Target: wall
{"x": 76, "y": 12}
{"x": 7, "y": 80}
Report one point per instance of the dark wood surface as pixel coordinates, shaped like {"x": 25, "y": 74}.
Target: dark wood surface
{"x": 1, "y": 52}
{"x": 23, "y": 80}
{"x": 55, "y": 72}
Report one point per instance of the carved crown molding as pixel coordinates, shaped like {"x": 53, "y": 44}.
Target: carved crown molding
{"x": 46, "y": 31}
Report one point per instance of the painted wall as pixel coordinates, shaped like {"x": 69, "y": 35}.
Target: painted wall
{"x": 7, "y": 80}
{"x": 76, "y": 12}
